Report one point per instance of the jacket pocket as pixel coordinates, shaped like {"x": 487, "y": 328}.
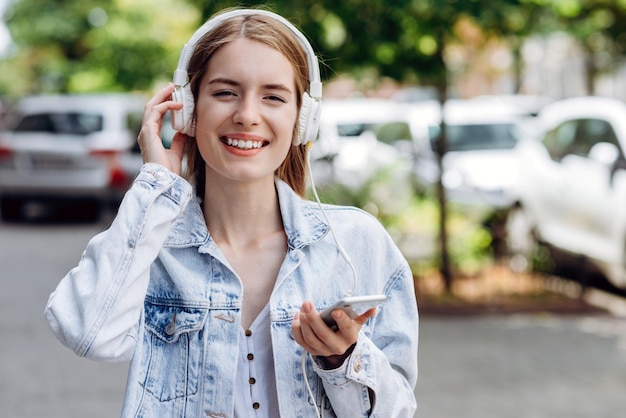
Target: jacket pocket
{"x": 174, "y": 349}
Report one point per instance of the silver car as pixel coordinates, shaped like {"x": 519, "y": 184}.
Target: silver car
{"x": 59, "y": 155}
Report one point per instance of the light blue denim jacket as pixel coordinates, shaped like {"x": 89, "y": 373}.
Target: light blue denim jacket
{"x": 155, "y": 288}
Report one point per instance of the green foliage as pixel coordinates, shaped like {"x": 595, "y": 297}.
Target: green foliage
{"x": 96, "y": 45}
{"x": 89, "y": 45}
{"x": 598, "y": 25}
{"x": 470, "y": 241}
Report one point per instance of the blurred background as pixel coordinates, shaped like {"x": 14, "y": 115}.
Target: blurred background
{"x": 489, "y": 139}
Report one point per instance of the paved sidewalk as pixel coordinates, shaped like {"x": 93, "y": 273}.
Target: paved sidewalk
{"x": 522, "y": 366}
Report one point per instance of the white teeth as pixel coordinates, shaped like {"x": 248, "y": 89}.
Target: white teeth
{"x": 240, "y": 143}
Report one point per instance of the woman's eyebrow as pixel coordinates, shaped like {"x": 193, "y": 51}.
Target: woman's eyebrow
{"x": 221, "y": 80}
{"x": 271, "y": 86}
{"x": 277, "y": 87}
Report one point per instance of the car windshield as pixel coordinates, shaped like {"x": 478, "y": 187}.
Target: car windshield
{"x": 480, "y": 137}
{"x": 72, "y": 123}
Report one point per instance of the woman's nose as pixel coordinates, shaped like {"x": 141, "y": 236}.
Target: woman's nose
{"x": 248, "y": 112}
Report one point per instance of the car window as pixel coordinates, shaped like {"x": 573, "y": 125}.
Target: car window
{"x": 73, "y": 123}
{"x": 592, "y": 131}
{"x": 560, "y": 140}
{"x": 480, "y": 136}
{"x": 577, "y": 137}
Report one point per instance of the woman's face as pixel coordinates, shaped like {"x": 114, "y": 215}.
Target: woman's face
{"x": 246, "y": 111}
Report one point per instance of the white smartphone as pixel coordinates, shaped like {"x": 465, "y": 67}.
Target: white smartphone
{"x": 353, "y": 306}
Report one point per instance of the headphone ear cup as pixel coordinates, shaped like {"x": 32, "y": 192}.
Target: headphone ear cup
{"x": 181, "y": 119}
{"x": 308, "y": 120}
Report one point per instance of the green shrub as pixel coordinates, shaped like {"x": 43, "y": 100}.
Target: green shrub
{"x": 412, "y": 219}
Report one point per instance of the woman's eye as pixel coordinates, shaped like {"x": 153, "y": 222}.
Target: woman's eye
{"x": 276, "y": 98}
{"x": 223, "y": 93}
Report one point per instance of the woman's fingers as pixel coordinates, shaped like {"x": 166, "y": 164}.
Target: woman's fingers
{"x": 312, "y": 333}
{"x": 362, "y": 319}
{"x": 162, "y": 96}
{"x": 150, "y": 143}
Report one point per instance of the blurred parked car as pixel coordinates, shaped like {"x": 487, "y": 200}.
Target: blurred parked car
{"x": 65, "y": 150}
{"x": 479, "y": 164}
{"x": 572, "y": 188}
{"x": 363, "y": 140}
{"x": 360, "y": 136}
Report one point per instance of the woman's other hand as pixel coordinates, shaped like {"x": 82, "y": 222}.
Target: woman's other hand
{"x": 150, "y": 143}
{"x": 312, "y": 333}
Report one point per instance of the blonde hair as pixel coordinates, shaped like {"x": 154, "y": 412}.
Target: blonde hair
{"x": 274, "y": 34}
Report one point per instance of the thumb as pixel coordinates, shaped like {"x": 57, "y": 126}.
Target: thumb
{"x": 178, "y": 143}
{"x": 361, "y": 319}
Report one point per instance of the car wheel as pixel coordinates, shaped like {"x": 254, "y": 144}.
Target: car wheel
{"x": 521, "y": 240}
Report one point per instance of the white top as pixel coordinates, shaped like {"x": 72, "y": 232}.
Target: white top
{"x": 255, "y": 389}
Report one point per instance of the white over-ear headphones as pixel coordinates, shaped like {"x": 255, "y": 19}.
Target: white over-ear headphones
{"x": 308, "y": 119}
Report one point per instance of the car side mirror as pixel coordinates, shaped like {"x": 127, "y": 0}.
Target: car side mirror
{"x": 608, "y": 155}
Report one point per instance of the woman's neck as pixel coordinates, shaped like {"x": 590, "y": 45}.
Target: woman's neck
{"x": 241, "y": 213}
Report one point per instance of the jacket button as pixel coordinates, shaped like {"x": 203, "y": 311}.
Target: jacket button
{"x": 160, "y": 175}
{"x": 250, "y": 356}
{"x": 256, "y": 405}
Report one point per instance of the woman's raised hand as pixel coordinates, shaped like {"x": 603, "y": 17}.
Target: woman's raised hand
{"x": 150, "y": 143}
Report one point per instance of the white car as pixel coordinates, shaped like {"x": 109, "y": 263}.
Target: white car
{"x": 572, "y": 185}
{"x": 479, "y": 164}
{"x": 60, "y": 154}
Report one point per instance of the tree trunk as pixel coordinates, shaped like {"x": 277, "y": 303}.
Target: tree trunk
{"x": 444, "y": 262}
{"x": 590, "y": 70}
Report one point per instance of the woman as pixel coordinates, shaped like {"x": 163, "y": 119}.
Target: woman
{"x": 213, "y": 290}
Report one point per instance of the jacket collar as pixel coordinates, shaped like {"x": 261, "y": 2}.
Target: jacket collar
{"x": 301, "y": 222}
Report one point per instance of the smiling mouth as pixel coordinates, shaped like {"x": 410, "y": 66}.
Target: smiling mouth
{"x": 244, "y": 144}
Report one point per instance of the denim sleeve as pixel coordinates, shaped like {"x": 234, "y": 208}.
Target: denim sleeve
{"x": 379, "y": 377}
{"x": 96, "y": 308}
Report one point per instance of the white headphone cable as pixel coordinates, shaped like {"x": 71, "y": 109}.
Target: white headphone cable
{"x": 309, "y": 390}
{"x": 349, "y": 293}
{"x": 330, "y": 227}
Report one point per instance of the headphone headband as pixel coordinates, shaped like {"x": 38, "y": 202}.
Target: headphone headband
{"x": 308, "y": 118}
{"x": 180, "y": 75}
